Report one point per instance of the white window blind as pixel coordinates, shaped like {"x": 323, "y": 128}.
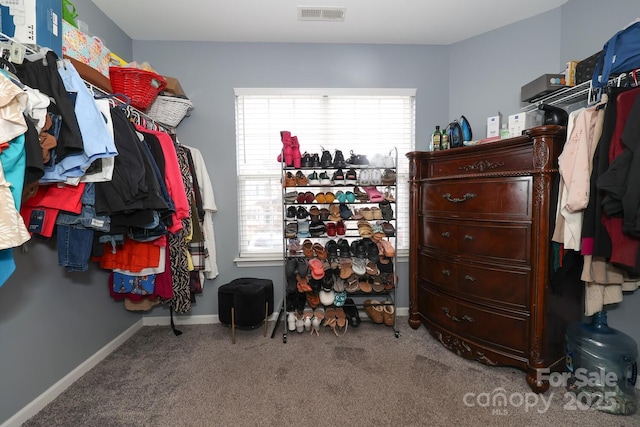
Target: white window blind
{"x": 362, "y": 121}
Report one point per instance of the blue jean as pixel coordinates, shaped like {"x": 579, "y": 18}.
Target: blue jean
{"x": 75, "y": 232}
{"x": 74, "y": 247}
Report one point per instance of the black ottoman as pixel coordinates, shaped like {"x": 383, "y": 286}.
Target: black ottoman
{"x": 245, "y": 303}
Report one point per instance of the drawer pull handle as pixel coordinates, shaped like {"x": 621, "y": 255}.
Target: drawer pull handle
{"x": 446, "y": 234}
{"x": 446, "y": 273}
{"x": 465, "y": 318}
{"x": 469, "y": 237}
{"x": 467, "y": 196}
{"x": 469, "y": 278}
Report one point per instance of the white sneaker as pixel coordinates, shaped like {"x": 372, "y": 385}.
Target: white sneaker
{"x": 365, "y": 177}
{"x": 307, "y": 324}
{"x": 291, "y": 321}
{"x": 375, "y": 177}
{"x": 299, "y": 324}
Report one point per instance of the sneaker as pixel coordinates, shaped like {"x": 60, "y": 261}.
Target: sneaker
{"x": 291, "y": 230}
{"x": 326, "y": 161}
{"x": 338, "y": 177}
{"x": 338, "y": 160}
{"x": 302, "y": 214}
{"x": 291, "y": 212}
{"x": 315, "y": 160}
{"x": 324, "y": 179}
{"x": 375, "y": 177}
{"x": 305, "y": 161}
{"x": 313, "y": 179}
{"x": 350, "y": 177}
{"x": 317, "y": 228}
{"x": 303, "y": 229}
{"x": 365, "y": 177}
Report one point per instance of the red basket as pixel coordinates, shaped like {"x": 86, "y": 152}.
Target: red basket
{"x": 141, "y": 86}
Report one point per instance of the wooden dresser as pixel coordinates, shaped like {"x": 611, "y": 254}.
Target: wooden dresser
{"x": 481, "y": 258}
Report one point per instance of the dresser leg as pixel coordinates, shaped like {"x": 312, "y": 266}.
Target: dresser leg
{"x": 414, "y": 320}
{"x": 538, "y": 386}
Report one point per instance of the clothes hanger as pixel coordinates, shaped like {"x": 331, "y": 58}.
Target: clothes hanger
{"x": 125, "y": 102}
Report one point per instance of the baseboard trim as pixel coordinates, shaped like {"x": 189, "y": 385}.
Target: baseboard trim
{"x": 55, "y": 390}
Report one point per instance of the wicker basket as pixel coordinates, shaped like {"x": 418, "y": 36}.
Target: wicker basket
{"x": 141, "y": 86}
{"x": 169, "y": 110}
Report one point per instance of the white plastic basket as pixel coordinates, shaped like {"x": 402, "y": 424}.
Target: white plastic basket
{"x": 169, "y": 110}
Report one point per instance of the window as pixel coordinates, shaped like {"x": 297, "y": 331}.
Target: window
{"x": 365, "y": 121}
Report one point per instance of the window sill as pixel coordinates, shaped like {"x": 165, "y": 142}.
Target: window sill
{"x": 276, "y": 261}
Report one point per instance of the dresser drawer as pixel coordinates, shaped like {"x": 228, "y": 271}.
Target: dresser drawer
{"x": 476, "y": 322}
{"x": 499, "y": 241}
{"x": 501, "y": 198}
{"x": 489, "y": 284}
{"x": 486, "y": 160}
{"x": 439, "y": 272}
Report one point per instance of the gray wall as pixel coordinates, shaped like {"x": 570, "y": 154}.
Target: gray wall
{"x": 215, "y": 69}
{"x": 50, "y": 321}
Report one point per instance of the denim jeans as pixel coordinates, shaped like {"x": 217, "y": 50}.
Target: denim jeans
{"x": 75, "y": 232}
{"x": 74, "y": 247}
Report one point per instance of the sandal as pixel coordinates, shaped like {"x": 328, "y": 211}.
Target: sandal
{"x": 360, "y": 195}
{"x": 388, "y": 195}
{"x": 374, "y": 195}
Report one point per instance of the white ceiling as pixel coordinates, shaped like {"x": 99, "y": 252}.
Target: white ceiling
{"x": 438, "y": 22}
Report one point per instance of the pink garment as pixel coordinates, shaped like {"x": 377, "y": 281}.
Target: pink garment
{"x": 173, "y": 178}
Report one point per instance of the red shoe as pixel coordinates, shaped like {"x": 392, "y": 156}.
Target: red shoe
{"x": 295, "y": 152}
{"x": 341, "y": 228}
{"x": 332, "y": 230}
{"x": 287, "y": 148}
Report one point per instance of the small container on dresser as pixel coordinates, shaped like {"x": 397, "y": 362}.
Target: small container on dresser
{"x": 481, "y": 272}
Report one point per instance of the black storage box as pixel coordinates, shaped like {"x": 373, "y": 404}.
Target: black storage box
{"x": 585, "y": 68}
{"x": 249, "y": 298}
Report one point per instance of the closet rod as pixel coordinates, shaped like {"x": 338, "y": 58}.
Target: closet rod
{"x": 582, "y": 90}
{"x": 32, "y": 48}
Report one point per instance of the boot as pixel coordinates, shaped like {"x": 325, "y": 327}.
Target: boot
{"x": 287, "y": 148}
{"x": 295, "y": 153}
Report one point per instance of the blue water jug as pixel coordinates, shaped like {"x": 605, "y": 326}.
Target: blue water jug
{"x": 602, "y": 365}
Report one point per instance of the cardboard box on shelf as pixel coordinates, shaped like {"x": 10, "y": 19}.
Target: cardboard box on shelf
{"x": 493, "y": 126}
{"x": 173, "y": 87}
{"x": 519, "y": 122}
{"x": 34, "y": 22}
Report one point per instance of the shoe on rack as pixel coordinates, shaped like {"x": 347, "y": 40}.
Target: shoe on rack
{"x": 291, "y": 230}
{"x": 303, "y": 229}
{"x": 313, "y": 179}
{"x": 351, "y": 178}
{"x": 386, "y": 210}
{"x": 324, "y": 179}
{"x": 365, "y": 177}
{"x": 325, "y": 160}
{"x": 375, "y": 177}
{"x": 388, "y": 313}
{"x": 289, "y": 180}
{"x": 291, "y": 212}
{"x": 338, "y": 177}
{"x": 374, "y": 310}
{"x": 338, "y": 160}
{"x": 295, "y": 151}
{"x": 388, "y": 177}
{"x": 305, "y": 162}
{"x": 301, "y": 179}
{"x": 315, "y": 160}
{"x": 351, "y": 310}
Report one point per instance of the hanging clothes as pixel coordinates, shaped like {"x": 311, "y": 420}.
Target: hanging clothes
{"x": 209, "y": 206}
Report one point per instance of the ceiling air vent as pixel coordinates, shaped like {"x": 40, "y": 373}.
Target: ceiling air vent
{"x": 310, "y": 13}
